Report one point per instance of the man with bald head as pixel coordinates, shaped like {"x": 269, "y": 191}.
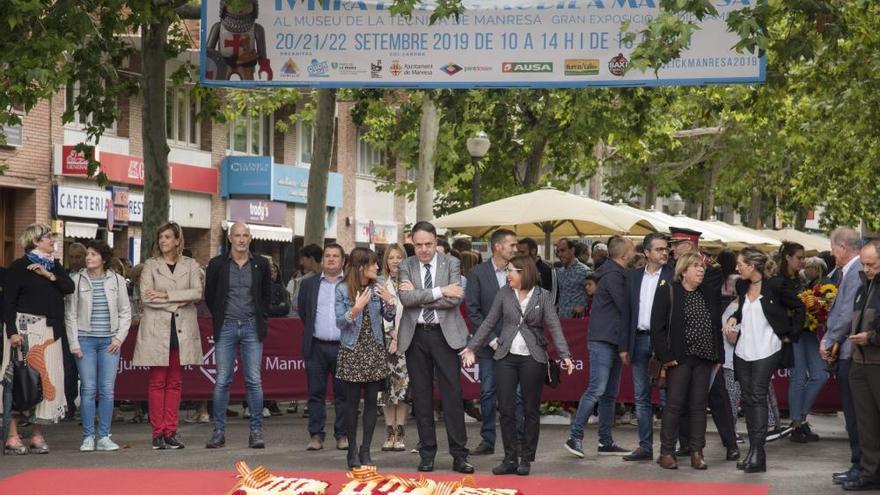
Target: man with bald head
{"x": 237, "y": 291}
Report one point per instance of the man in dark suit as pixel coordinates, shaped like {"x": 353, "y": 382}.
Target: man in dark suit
{"x": 484, "y": 280}
{"x": 635, "y": 340}
{"x": 607, "y": 321}
{"x": 528, "y": 246}
{"x": 432, "y": 333}
{"x": 237, "y": 291}
{"x": 316, "y": 304}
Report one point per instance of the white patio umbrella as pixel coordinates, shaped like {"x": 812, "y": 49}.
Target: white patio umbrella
{"x": 812, "y": 243}
{"x": 546, "y": 212}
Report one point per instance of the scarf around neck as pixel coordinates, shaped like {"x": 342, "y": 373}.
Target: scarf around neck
{"x": 43, "y": 259}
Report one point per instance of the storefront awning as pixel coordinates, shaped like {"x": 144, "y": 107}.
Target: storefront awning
{"x": 80, "y": 230}
{"x": 266, "y": 232}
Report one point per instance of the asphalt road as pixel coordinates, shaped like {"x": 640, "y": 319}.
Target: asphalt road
{"x": 793, "y": 469}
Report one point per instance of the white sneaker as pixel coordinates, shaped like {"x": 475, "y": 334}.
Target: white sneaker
{"x": 266, "y": 413}
{"x": 246, "y": 414}
{"x": 105, "y": 444}
{"x": 593, "y": 420}
{"x": 88, "y": 444}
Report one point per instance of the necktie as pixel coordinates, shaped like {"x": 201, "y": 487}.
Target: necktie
{"x": 428, "y": 314}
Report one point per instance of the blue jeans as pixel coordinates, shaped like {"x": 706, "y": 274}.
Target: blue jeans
{"x": 604, "y": 383}
{"x": 243, "y": 334}
{"x": 641, "y": 354}
{"x": 807, "y": 377}
{"x": 488, "y": 403}
{"x": 97, "y": 372}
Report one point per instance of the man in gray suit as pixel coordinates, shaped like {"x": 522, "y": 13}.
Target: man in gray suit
{"x": 484, "y": 280}
{"x": 845, "y": 246}
{"x": 431, "y": 334}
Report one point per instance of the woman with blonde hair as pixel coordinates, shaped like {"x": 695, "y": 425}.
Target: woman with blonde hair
{"x": 33, "y": 310}
{"x": 686, "y": 335}
{"x": 168, "y": 338}
{"x": 396, "y": 409}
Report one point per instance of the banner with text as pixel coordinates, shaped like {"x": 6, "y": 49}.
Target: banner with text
{"x": 509, "y": 43}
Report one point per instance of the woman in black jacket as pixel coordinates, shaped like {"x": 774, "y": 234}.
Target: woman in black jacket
{"x": 33, "y": 310}
{"x": 686, "y": 334}
{"x": 769, "y": 318}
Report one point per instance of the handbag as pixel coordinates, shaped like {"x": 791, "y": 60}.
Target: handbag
{"x": 27, "y": 387}
{"x": 656, "y": 369}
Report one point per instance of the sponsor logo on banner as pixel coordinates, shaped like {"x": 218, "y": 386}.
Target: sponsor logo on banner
{"x": 395, "y": 68}
{"x": 451, "y": 68}
{"x": 617, "y": 65}
{"x": 290, "y": 68}
{"x": 526, "y": 67}
{"x": 318, "y": 68}
{"x": 346, "y": 68}
{"x": 581, "y": 66}
{"x": 376, "y": 69}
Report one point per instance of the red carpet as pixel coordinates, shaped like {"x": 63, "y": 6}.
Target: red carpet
{"x": 167, "y": 482}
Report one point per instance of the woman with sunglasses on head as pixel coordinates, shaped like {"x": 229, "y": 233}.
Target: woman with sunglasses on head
{"x": 769, "y": 315}
{"x": 168, "y": 338}
{"x": 33, "y": 310}
{"x": 524, "y": 309}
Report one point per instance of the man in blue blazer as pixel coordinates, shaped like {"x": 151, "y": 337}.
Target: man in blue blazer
{"x": 845, "y": 246}
{"x": 635, "y": 339}
{"x": 483, "y": 283}
{"x": 316, "y": 304}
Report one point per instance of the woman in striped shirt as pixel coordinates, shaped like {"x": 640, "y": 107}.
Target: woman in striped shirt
{"x": 98, "y": 317}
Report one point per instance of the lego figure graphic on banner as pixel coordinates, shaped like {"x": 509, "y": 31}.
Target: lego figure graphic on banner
{"x": 237, "y": 44}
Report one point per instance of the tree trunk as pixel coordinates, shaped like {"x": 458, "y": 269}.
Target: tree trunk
{"x": 755, "y": 209}
{"x": 319, "y": 171}
{"x": 710, "y": 182}
{"x": 156, "y": 186}
{"x": 800, "y": 219}
{"x": 650, "y": 192}
{"x": 534, "y": 165}
{"x": 428, "y": 130}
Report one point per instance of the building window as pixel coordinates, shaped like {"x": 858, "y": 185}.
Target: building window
{"x": 306, "y": 140}
{"x": 12, "y": 135}
{"x": 251, "y": 135}
{"x": 181, "y": 124}
{"x": 368, "y": 157}
{"x": 71, "y": 93}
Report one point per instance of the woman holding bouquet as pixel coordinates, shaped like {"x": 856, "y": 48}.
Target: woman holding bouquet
{"x": 808, "y": 375}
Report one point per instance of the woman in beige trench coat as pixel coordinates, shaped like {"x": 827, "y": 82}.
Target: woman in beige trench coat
{"x": 168, "y": 338}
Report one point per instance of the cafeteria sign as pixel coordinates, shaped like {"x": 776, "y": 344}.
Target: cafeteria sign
{"x": 508, "y": 43}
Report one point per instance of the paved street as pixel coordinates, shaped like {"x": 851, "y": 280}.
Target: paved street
{"x": 793, "y": 469}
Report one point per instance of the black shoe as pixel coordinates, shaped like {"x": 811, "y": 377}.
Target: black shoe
{"x": 638, "y": 455}
{"x": 473, "y": 411}
{"x": 426, "y": 465}
{"x": 483, "y": 449}
{"x": 850, "y": 474}
{"x": 612, "y": 449}
{"x": 860, "y": 484}
{"x": 733, "y": 454}
{"x": 365, "y": 456}
{"x": 506, "y": 467}
{"x": 778, "y": 432}
{"x": 757, "y": 463}
{"x": 255, "y": 440}
{"x": 812, "y": 437}
{"x": 683, "y": 452}
{"x": 159, "y": 443}
{"x": 172, "y": 442}
{"x": 799, "y": 435}
{"x": 462, "y": 466}
{"x": 218, "y": 440}
{"x": 525, "y": 467}
{"x": 273, "y": 408}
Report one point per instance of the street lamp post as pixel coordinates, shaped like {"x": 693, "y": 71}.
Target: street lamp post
{"x": 477, "y": 146}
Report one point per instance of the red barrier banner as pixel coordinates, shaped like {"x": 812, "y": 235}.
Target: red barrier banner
{"x": 284, "y": 370}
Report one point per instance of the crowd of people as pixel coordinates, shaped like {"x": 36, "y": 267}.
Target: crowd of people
{"x": 385, "y": 328}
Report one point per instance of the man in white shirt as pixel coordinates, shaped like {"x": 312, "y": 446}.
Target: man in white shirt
{"x": 635, "y": 345}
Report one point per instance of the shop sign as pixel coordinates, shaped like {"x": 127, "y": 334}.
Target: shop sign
{"x": 291, "y": 185}
{"x": 81, "y": 203}
{"x": 135, "y": 207}
{"x": 75, "y": 162}
{"x": 375, "y": 233}
{"x": 257, "y": 212}
{"x": 120, "y": 195}
{"x": 246, "y": 175}
{"x": 126, "y": 169}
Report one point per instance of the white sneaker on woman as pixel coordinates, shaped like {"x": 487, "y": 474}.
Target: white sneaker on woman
{"x": 88, "y": 444}
{"x": 105, "y": 444}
